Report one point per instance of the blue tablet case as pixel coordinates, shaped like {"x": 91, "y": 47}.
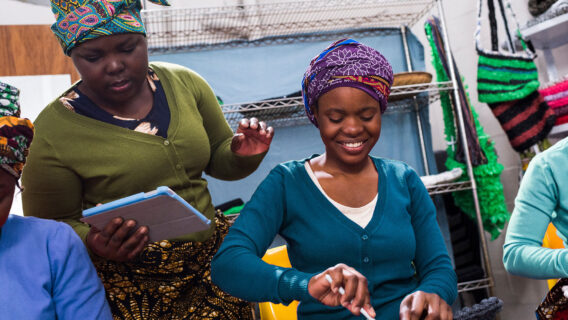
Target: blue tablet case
{"x": 166, "y": 214}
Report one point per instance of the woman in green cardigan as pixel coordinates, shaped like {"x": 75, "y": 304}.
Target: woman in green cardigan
{"x": 127, "y": 127}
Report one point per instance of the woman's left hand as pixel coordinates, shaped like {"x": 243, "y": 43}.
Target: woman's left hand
{"x": 422, "y": 305}
{"x": 252, "y": 137}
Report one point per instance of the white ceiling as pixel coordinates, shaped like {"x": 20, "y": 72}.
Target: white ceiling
{"x": 38, "y": 2}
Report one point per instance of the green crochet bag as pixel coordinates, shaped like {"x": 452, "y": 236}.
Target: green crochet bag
{"x": 503, "y": 76}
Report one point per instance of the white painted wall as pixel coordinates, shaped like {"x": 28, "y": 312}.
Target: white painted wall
{"x": 16, "y": 12}
{"x": 35, "y": 93}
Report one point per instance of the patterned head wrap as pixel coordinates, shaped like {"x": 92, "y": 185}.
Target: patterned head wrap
{"x": 9, "y": 105}
{"x": 16, "y": 133}
{"x": 347, "y": 63}
{"x": 80, "y": 20}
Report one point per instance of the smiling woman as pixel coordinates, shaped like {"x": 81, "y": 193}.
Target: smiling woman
{"x": 127, "y": 127}
{"x": 350, "y": 124}
{"x": 367, "y": 223}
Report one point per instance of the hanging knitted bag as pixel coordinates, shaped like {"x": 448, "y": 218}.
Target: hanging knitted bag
{"x": 508, "y": 83}
{"x": 526, "y": 121}
{"x": 556, "y": 96}
{"x": 502, "y": 76}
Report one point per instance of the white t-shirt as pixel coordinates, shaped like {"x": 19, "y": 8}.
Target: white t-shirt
{"x": 360, "y": 216}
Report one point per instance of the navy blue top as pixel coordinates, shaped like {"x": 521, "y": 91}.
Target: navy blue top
{"x": 156, "y": 122}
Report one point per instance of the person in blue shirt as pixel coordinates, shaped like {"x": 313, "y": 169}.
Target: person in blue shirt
{"x": 542, "y": 199}
{"x": 45, "y": 270}
{"x": 367, "y": 223}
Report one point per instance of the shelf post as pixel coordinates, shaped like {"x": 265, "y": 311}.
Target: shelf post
{"x": 459, "y": 112}
{"x": 551, "y": 70}
{"x": 415, "y": 102}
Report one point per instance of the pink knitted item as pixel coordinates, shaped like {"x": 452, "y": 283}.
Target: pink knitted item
{"x": 561, "y": 120}
{"x": 558, "y": 103}
{"x": 556, "y": 88}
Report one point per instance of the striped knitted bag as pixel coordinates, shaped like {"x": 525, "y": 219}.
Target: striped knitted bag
{"x": 508, "y": 83}
{"x": 503, "y": 76}
{"x": 526, "y": 121}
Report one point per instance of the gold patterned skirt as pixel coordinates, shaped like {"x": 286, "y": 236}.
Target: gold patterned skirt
{"x": 171, "y": 280}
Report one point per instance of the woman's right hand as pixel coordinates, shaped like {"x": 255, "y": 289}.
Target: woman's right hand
{"x": 356, "y": 294}
{"x": 115, "y": 242}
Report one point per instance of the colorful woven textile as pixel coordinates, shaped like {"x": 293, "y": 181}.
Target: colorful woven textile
{"x": 16, "y": 134}
{"x": 9, "y": 104}
{"x": 560, "y": 112}
{"x": 558, "y": 103}
{"x": 347, "y": 63}
{"x": 171, "y": 280}
{"x": 508, "y": 82}
{"x": 561, "y": 120}
{"x": 556, "y": 96}
{"x": 477, "y": 154}
{"x": 486, "y": 174}
{"x": 525, "y": 121}
{"x": 555, "y": 88}
{"x": 555, "y": 304}
{"x": 80, "y": 20}
{"x": 554, "y": 100}
{"x": 502, "y": 76}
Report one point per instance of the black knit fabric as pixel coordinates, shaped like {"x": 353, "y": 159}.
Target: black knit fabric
{"x": 526, "y": 121}
{"x": 538, "y": 7}
{"x": 487, "y": 309}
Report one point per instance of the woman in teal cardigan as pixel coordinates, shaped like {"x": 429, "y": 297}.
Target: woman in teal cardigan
{"x": 128, "y": 127}
{"x": 542, "y": 199}
{"x": 350, "y": 220}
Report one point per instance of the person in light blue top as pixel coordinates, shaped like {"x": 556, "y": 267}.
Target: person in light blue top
{"x": 365, "y": 222}
{"x": 542, "y": 199}
{"x": 45, "y": 270}
{"x": 46, "y": 273}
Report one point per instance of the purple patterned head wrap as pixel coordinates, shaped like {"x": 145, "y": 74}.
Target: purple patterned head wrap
{"x": 347, "y": 63}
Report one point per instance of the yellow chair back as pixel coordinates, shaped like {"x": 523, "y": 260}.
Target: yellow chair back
{"x": 271, "y": 311}
{"x": 552, "y": 240}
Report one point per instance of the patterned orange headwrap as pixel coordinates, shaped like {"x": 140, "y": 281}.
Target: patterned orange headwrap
{"x": 16, "y": 134}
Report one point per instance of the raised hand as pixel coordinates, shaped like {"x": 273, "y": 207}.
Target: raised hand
{"x": 422, "y": 305}
{"x": 118, "y": 241}
{"x": 356, "y": 295}
{"x": 252, "y": 137}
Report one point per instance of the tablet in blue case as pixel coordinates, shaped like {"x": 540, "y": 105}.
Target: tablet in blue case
{"x": 166, "y": 214}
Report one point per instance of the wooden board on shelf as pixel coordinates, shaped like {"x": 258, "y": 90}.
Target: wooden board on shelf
{"x": 29, "y": 50}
